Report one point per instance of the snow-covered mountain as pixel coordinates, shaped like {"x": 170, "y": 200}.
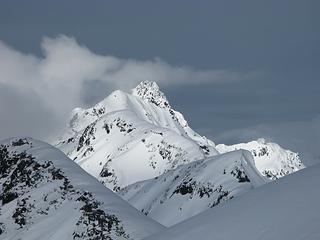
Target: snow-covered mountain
{"x": 195, "y": 187}
{"x": 287, "y": 208}
{"x": 271, "y": 160}
{"x": 130, "y": 137}
{"x": 137, "y": 145}
{"x": 45, "y": 195}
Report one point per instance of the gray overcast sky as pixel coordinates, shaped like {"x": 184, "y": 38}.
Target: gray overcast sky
{"x": 269, "y": 49}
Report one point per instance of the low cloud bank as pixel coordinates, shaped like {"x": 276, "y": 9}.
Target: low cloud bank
{"x": 37, "y": 93}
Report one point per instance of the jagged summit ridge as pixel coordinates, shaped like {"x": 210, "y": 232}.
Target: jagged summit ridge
{"x": 150, "y": 92}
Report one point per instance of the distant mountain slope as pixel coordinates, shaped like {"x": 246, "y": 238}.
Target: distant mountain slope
{"x": 271, "y": 160}
{"x": 195, "y": 187}
{"x": 44, "y": 195}
{"x": 132, "y": 137}
{"x": 287, "y": 208}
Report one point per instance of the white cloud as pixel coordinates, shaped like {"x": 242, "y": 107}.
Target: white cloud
{"x": 53, "y": 84}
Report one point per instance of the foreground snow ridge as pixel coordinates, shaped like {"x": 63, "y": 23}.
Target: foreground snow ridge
{"x": 287, "y": 208}
{"x": 195, "y": 187}
{"x": 44, "y": 195}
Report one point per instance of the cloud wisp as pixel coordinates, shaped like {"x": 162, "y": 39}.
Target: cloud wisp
{"x": 37, "y": 93}
{"x": 300, "y": 136}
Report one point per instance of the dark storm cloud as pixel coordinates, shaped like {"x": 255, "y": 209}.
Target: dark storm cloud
{"x": 272, "y": 45}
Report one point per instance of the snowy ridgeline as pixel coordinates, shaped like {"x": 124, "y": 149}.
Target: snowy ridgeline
{"x": 195, "y": 187}
{"x": 271, "y": 160}
{"x": 284, "y": 209}
{"x": 45, "y": 195}
{"x": 137, "y": 145}
{"x": 131, "y": 137}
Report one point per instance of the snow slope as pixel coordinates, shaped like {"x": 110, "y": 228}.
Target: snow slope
{"x": 287, "y": 208}
{"x": 271, "y": 160}
{"x": 195, "y": 187}
{"x": 45, "y": 195}
{"x": 130, "y": 137}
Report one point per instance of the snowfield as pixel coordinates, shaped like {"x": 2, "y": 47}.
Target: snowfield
{"x": 287, "y": 208}
{"x": 45, "y": 195}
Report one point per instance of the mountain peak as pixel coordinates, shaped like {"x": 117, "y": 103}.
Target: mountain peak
{"x": 150, "y": 92}
{"x": 261, "y": 141}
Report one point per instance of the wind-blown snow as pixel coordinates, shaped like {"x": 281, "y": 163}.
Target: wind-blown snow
{"x": 287, "y": 208}
{"x": 45, "y": 195}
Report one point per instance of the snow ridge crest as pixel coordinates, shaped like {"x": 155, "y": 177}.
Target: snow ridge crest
{"x": 149, "y": 91}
